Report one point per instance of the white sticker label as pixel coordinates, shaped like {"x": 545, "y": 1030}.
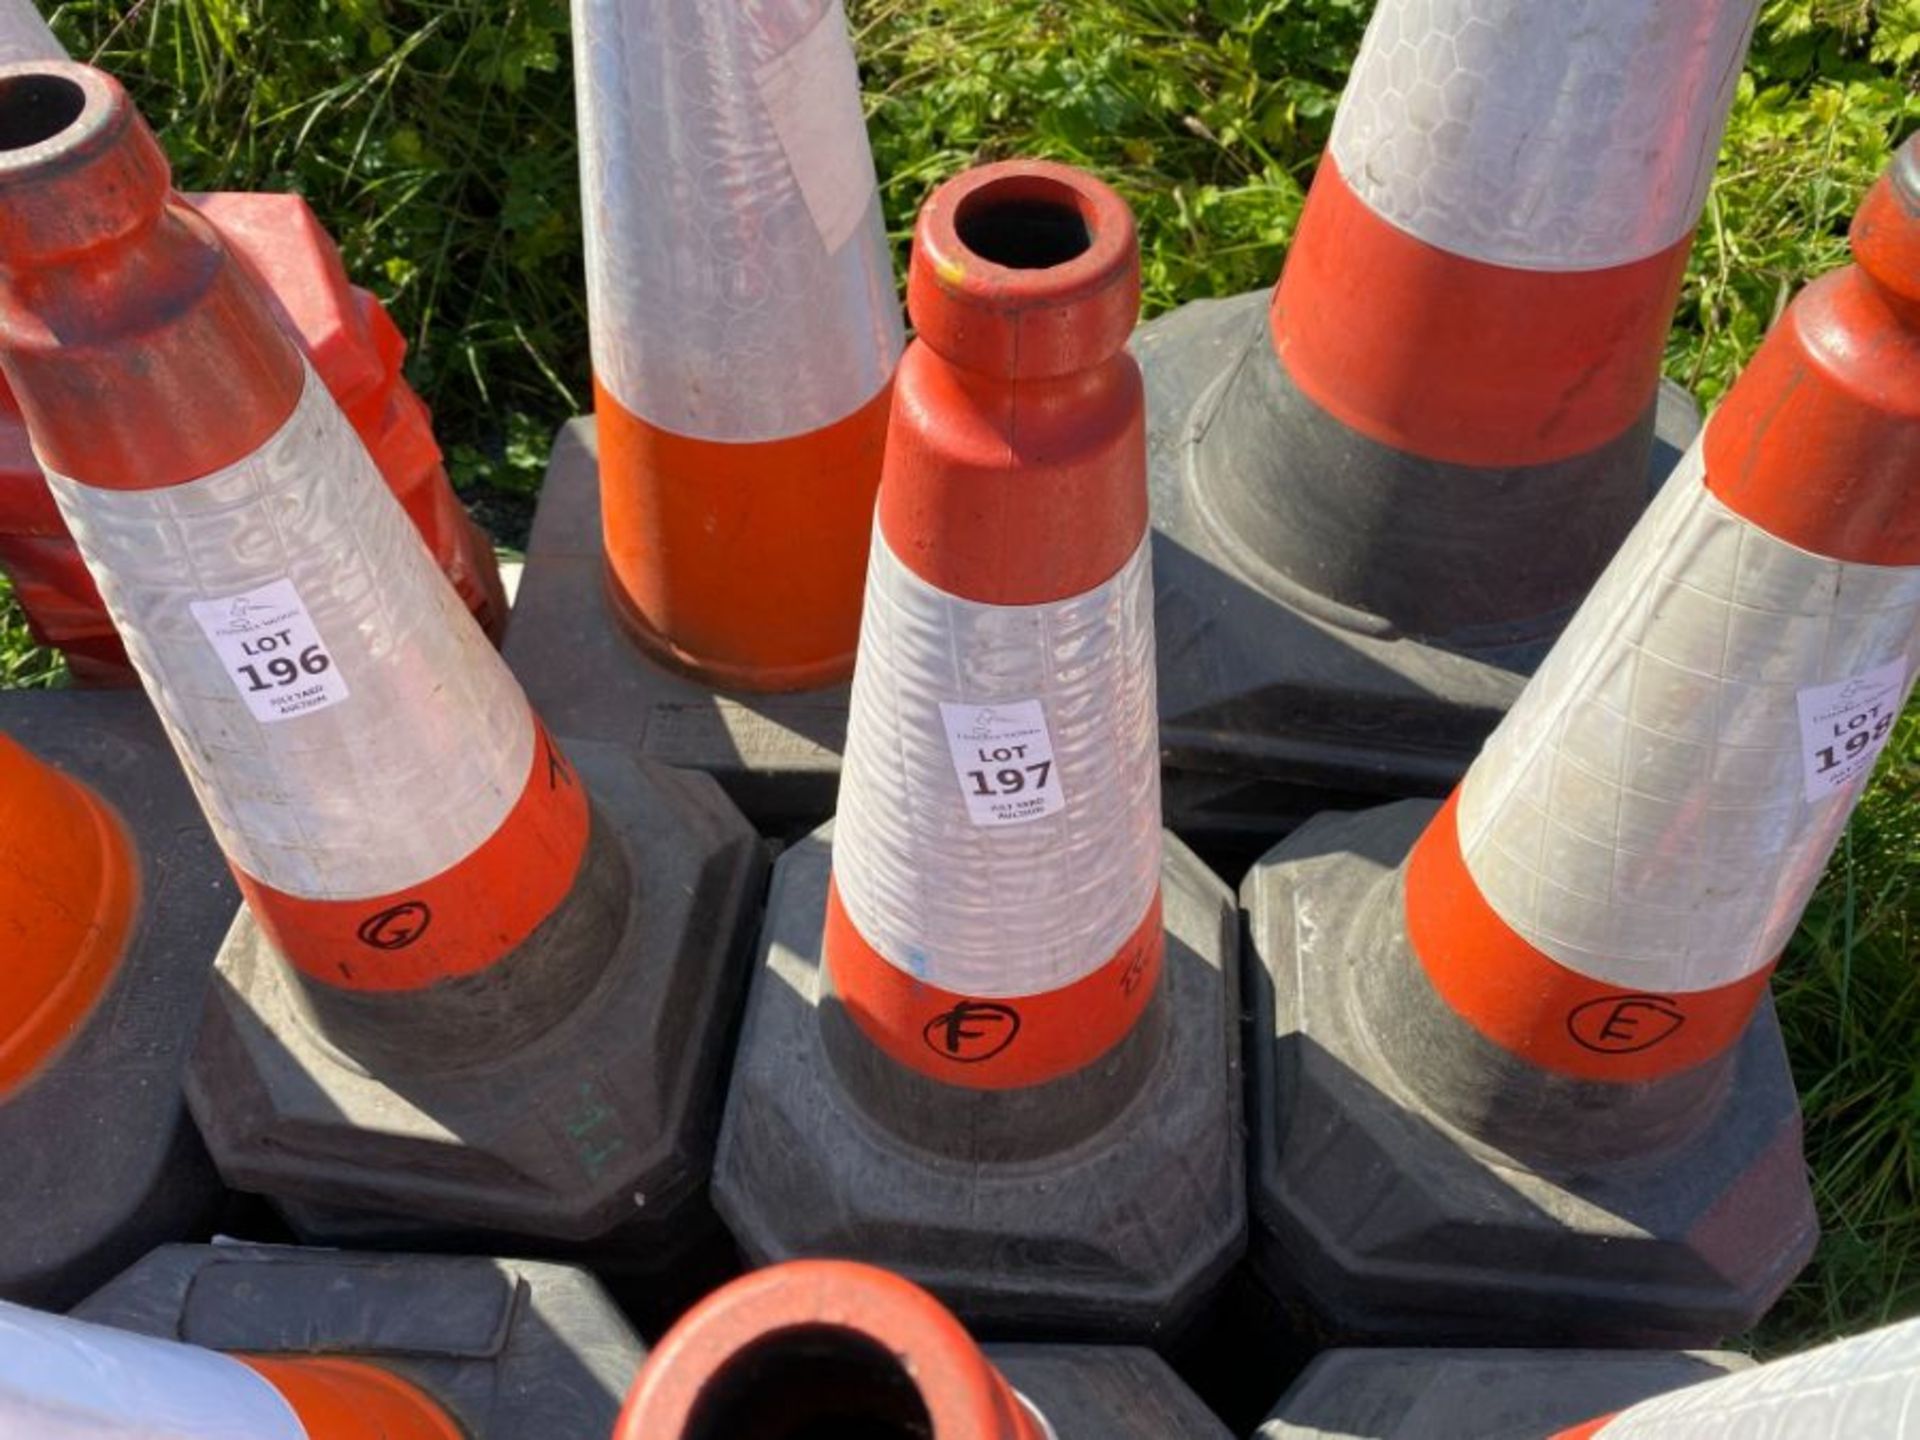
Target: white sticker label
{"x": 1003, "y": 757}
{"x": 1845, "y": 726}
{"x": 272, "y": 651}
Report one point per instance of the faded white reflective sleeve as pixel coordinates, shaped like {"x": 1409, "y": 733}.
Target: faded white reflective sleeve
{"x": 366, "y": 793}
{"x": 938, "y": 886}
{"x": 1571, "y": 135}
{"x": 63, "y": 1379}
{"x": 25, "y": 36}
{"x": 1641, "y": 814}
{"x": 1865, "y": 1388}
{"x": 738, "y": 275}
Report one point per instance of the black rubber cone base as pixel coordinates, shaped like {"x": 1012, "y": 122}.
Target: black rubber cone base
{"x": 603, "y": 1123}
{"x": 1554, "y": 1223}
{"x": 1477, "y": 1394}
{"x": 1087, "y": 1392}
{"x": 1105, "y": 1206}
{"x": 776, "y": 756}
{"x": 101, "y": 1160}
{"x": 511, "y": 1349}
{"x": 1274, "y": 704}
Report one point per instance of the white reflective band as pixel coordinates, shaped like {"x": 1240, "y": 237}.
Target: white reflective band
{"x": 1000, "y": 910}
{"x": 1641, "y": 814}
{"x": 64, "y": 1379}
{"x": 1570, "y": 135}
{"x": 738, "y": 275}
{"x": 25, "y": 36}
{"x": 1866, "y": 1388}
{"x": 433, "y": 743}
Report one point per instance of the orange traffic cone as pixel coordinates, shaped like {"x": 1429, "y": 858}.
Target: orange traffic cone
{"x": 1544, "y": 1033}
{"x": 745, "y": 330}
{"x": 286, "y": 1344}
{"x": 357, "y": 353}
{"x": 1383, "y": 492}
{"x": 112, "y": 900}
{"x": 430, "y": 888}
{"x": 1005, "y": 960}
{"x": 825, "y": 1347}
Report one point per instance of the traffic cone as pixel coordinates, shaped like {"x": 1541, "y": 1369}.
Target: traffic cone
{"x": 1004, "y": 1021}
{"x": 827, "y": 1347}
{"x": 745, "y": 330}
{"x": 321, "y": 1345}
{"x": 1860, "y": 1389}
{"x": 441, "y": 911}
{"x": 112, "y": 900}
{"x": 1380, "y": 496}
{"x": 1534, "y": 1027}
{"x": 356, "y": 351}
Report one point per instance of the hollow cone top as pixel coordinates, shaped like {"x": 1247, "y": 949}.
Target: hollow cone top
{"x": 814, "y": 1347}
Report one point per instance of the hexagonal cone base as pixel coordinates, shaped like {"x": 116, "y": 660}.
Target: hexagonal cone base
{"x": 604, "y": 1122}
{"x": 1107, "y": 1205}
{"x": 1390, "y": 1222}
{"x": 511, "y": 1349}
{"x": 101, "y": 1159}
{"x": 1477, "y": 1394}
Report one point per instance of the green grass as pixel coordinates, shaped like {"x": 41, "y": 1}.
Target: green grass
{"x": 435, "y": 138}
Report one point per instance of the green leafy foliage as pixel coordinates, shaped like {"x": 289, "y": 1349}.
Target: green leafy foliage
{"x": 435, "y": 138}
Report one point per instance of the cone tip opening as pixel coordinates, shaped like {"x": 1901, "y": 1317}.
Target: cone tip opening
{"x": 48, "y": 108}
{"x": 812, "y": 1349}
{"x": 1025, "y": 269}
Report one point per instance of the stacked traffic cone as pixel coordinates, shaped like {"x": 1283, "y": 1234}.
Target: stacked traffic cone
{"x": 320, "y": 1345}
{"x": 356, "y": 351}
{"x": 1534, "y": 1027}
{"x": 442, "y": 912}
{"x": 112, "y": 900}
{"x": 832, "y": 1348}
{"x": 1381, "y": 495}
{"x": 745, "y": 329}
{"x": 1862, "y": 1388}
{"x": 1005, "y": 1022}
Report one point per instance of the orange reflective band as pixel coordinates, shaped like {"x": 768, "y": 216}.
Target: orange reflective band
{"x": 69, "y": 888}
{"x": 1536, "y": 1008}
{"x": 458, "y": 922}
{"x": 999, "y": 1043}
{"x": 1457, "y": 360}
{"x": 742, "y": 564}
{"x": 1816, "y": 443}
{"x": 350, "y": 1400}
{"x": 1585, "y": 1432}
